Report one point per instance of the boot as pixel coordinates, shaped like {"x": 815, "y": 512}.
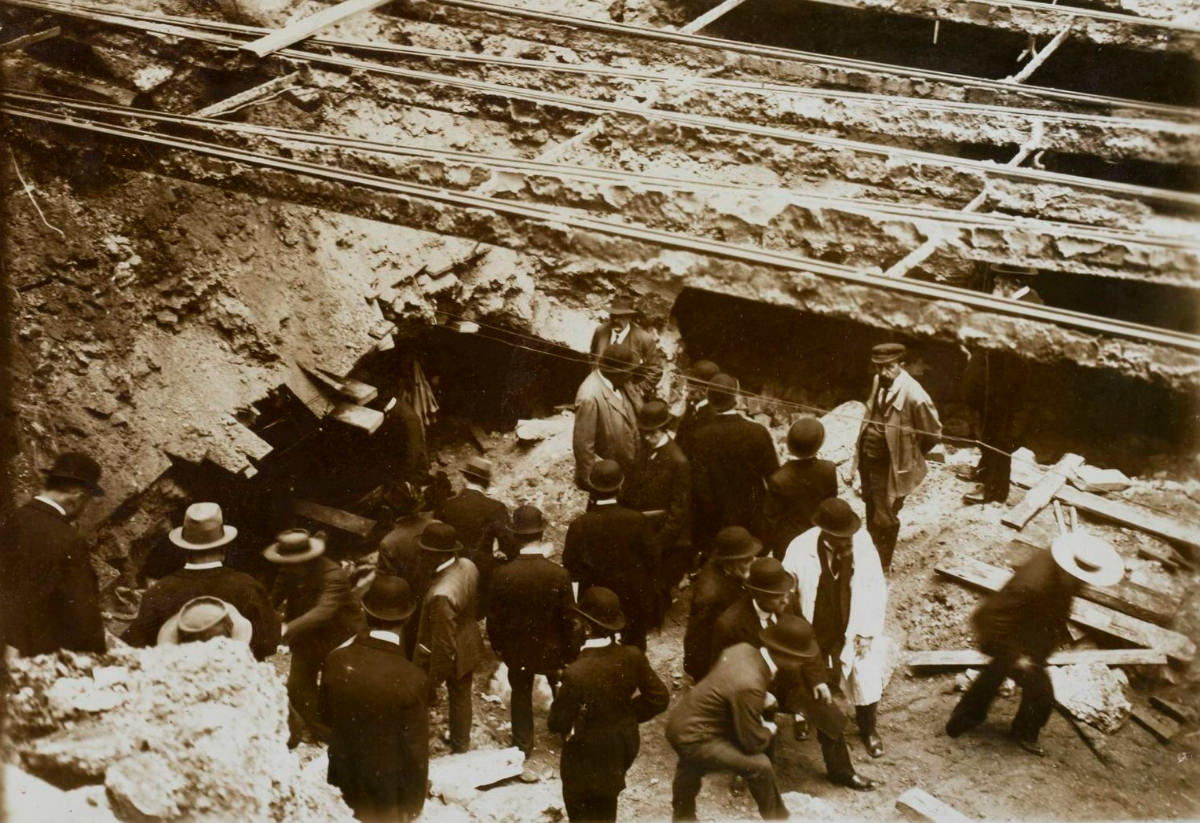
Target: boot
{"x": 865, "y": 715}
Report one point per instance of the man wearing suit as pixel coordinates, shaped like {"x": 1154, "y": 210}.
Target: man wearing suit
{"x": 481, "y": 522}
{"x": 732, "y": 457}
{"x": 794, "y": 491}
{"x": 605, "y": 420}
{"x": 375, "y": 704}
{"x": 696, "y": 410}
{"x": 843, "y": 593}
{"x": 1023, "y": 623}
{"x": 768, "y": 593}
{"x": 611, "y": 546}
{"x": 449, "y": 644}
{"x": 529, "y": 619}
{"x": 605, "y": 694}
{"x": 49, "y": 596}
{"x": 203, "y": 537}
{"x": 320, "y": 613}
{"x": 716, "y": 588}
{"x": 661, "y": 489}
{"x": 621, "y": 329}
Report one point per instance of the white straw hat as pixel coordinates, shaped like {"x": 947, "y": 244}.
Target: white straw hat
{"x": 1088, "y": 558}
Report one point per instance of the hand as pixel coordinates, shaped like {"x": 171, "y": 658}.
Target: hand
{"x": 862, "y": 645}
{"x": 822, "y": 694}
{"x": 771, "y": 727}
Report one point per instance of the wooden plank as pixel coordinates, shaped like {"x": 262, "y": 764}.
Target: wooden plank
{"x": 1042, "y": 493}
{"x": 709, "y": 16}
{"x": 336, "y": 518}
{"x": 971, "y": 658}
{"x": 360, "y": 417}
{"x": 1161, "y": 727}
{"x": 358, "y": 392}
{"x": 918, "y": 804}
{"x": 1087, "y": 614}
{"x": 1132, "y": 515}
{"x": 1174, "y": 711}
{"x": 240, "y": 99}
{"x": 308, "y": 26}
{"x": 1126, "y": 596}
{"x": 29, "y": 39}
{"x": 1092, "y": 738}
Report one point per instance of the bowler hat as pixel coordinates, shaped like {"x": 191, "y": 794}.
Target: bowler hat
{"x": 200, "y": 617}
{"x": 653, "y": 415}
{"x": 792, "y": 636}
{"x": 722, "y": 392}
{"x": 621, "y": 307}
{"x": 735, "y": 543}
{"x": 618, "y": 358}
{"x": 606, "y": 476}
{"x": 887, "y": 352}
{"x": 528, "y": 520}
{"x": 602, "y": 607}
{"x": 805, "y": 437}
{"x": 1088, "y": 558}
{"x": 834, "y": 516}
{"x": 768, "y": 576}
{"x": 440, "y": 537}
{"x": 390, "y": 598}
{"x": 704, "y": 370}
{"x": 478, "y": 469}
{"x": 203, "y": 529}
{"x": 295, "y": 546}
{"x": 79, "y": 467}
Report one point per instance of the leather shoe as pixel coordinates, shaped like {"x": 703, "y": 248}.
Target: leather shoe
{"x": 858, "y": 783}
{"x": 975, "y": 496}
{"x": 968, "y": 473}
{"x": 1031, "y": 746}
{"x": 874, "y": 745}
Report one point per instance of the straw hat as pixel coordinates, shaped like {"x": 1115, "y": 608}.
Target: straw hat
{"x": 200, "y": 616}
{"x": 203, "y": 529}
{"x": 1088, "y": 558}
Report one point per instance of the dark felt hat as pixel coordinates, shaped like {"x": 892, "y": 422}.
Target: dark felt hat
{"x": 835, "y": 516}
{"x": 735, "y": 543}
{"x": 390, "y": 598}
{"x": 440, "y": 537}
{"x": 618, "y": 358}
{"x": 79, "y": 467}
{"x": 792, "y": 636}
{"x": 653, "y": 415}
{"x": 805, "y": 437}
{"x": 887, "y": 352}
{"x": 295, "y": 546}
{"x": 203, "y": 529}
{"x": 768, "y": 576}
{"x": 602, "y": 607}
{"x": 528, "y": 520}
{"x": 704, "y": 370}
{"x": 606, "y": 476}
{"x": 722, "y": 392}
{"x": 478, "y": 469}
{"x": 622, "y": 307}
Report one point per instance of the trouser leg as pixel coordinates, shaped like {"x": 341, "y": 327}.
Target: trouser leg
{"x": 460, "y": 712}
{"x": 722, "y": 755}
{"x": 303, "y": 695}
{"x": 836, "y": 754}
{"x": 973, "y": 708}
{"x": 1037, "y": 700}
{"x": 591, "y": 808}
{"x": 521, "y": 682}
{"x": 883, "y": 524}
{"x": 689, "y": 775}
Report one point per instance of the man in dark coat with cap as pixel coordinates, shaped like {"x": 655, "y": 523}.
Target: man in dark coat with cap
{"x": 622, "y": 328}
{"x": 319, "y": 612}
{"x": 605, "y": 419}
{"x": 801, "y": 483}
{"x": 203, "y": 537}
{"x": 661, "y": 489}
{"x": 480, "y": 521}
{"x": 449, "y": 644}
{"x": 604, "y": 695}
{"x": 900, "y": 426}
{"x": 732, "y": 457}
{"x": 716, "y": 588}
{"x": 611, "y": 546}
{"x": 696, "y": 410}
{"x": 49, "y": 596}
{"x": 375, "y": 704}
{"x": 529, "y": 619}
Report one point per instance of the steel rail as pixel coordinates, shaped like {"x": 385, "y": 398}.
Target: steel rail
{"x": 1179, "y": 113}
{"x": 1186, "y": 199}
{"x": 1078, "y": 11}
{"x": 917, "y": 214}
{"x": 673, "y": 240}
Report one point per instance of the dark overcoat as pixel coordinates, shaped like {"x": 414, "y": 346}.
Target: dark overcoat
{"x": 482, "y": 525}
{"x": 662, "y": 482}
{"x": 612, "y": 546}
{"x": 320, "y": 608}
{"x": 732, "y": 457}
{"x": 529, "y": 622}
{"x": 793, "y": 494}
{"x": 375, "y": 703}
{"x": 713, "y": 592}
{"x": 1028, "y": 615}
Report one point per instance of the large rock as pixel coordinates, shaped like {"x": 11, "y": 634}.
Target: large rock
{"x": 1092, "y": 693}
{"x": 803, "y": 806}
{"x": 519, "y": 803}
{"x": 456, "y": 778}
{"x": 196, "y": 732}
{"x": 498, "y": 690}
{"x": 841, "y": 431}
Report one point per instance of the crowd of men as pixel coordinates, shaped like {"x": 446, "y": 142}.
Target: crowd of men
{"x": 788, "y": 596}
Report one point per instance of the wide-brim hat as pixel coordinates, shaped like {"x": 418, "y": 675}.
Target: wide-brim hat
{"x": 201, "y": 614}
{"x": 735, "y": 543}
{"x": 80, "y": 468}
{"x": 768, "y": 576}
{"x": 389, "y": 598}
{"x": 1088, "y": 558}
{"x": 203, "y": 529}
{"x": 528, "y": 520}
{"x": 295, "y": 546}
{"x": 478, "y": 469}
{"x": 792, "y": 636}
{"x": 440, "y": 537}
{"x": 601, "y": 606}
{"x": 622, "y": 307}
{"x": 834, "y": 516}
{"x": 653, "y": 415}
{"x": 606, "y": 476}
{"x": 888, "y": 352}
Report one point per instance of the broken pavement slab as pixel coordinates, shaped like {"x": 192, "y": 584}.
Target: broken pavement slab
{"x": 918, "y": 804}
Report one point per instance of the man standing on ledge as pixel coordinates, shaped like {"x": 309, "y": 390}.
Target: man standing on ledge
{"x": 899, "y": 427}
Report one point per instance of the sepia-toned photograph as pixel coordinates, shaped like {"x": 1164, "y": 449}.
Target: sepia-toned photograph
{"x": 580, "y": 411}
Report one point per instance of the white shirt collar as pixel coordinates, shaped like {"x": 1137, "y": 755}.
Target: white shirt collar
{"x": 729, "y": 411}
{"x": 763, "y": 616}
{"x": 702, "y": 403}
{"x": 212, "y": 564}
{"x": 605, "y": 380}
{"x": 475, "y": 487}
{"x": 606, "y": 501}
{"x": 383, "y": 634}
{"x": 52, "y": 503}
{"x": 619, "y": 336}
{"x": 538, "y": 549}
{"x": 766, "y": 656}
{"x": 445, "y": 565}
{"x": 662, "y": 438}
{"x": 597, "y": 642}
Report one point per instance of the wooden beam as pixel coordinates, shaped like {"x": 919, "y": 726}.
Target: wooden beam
{"x": 970, "y": 658}
{"x": 251, "y": 94}
{"x": 308, "y": 26}
{"x": 918, "y": 804}
{"x": 335, "y": 518}
{"x": 710, "y": 16}
{"x": 29, "y": 39}
{"x": 357, "y": 392}
{"x": 1042, "y": 493}
{"x": 1036, "y": 61}
{"x": 360, "y": 417}
{"x": 1092, "y": 738}
{"x": 1134, "y": 516}
{"x": 1087, "y": 614}
{"x": 1161, "y": 727}
{"x": 1174, "y": 711}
